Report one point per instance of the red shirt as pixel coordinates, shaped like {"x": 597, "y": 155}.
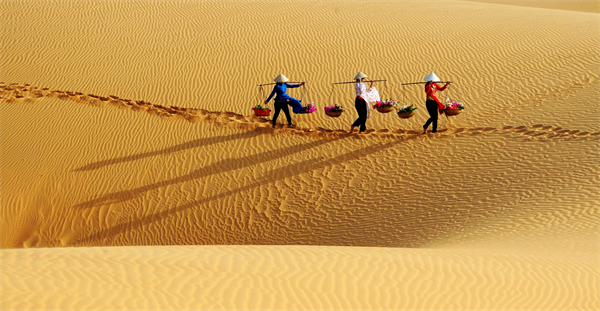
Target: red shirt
{"x": 431, "y": 90}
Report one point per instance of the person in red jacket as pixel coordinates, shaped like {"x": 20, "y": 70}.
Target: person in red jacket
{"x": 433, "y": 104}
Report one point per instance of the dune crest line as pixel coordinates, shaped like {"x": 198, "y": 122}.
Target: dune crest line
{"x": 15, "y": 92}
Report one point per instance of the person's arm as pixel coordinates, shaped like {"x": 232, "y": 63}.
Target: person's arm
{"x": 291, "y": 86}
{"x": 272, "y": 93}
{"x": 442, "y": 88}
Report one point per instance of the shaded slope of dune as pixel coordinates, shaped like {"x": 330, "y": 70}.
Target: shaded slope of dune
{"x": 157, "y": 181}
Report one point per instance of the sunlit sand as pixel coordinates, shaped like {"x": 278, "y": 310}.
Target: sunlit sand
{"x": 134, "y": 175}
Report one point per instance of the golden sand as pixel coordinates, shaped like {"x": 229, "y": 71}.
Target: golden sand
{"x": 129, "y": 124}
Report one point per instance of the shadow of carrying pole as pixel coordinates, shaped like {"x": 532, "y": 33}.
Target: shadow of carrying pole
{"x": 215, "y": 168}
{"x": 268, "y": 178}
{"x": 188, "y": 145}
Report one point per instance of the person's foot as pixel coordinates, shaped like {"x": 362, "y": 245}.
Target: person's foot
{"x": 351, "y": 129}
{"x": 434, "y": 131}
{"x": 291, "y": 126}
{"x": 424, "y": 131}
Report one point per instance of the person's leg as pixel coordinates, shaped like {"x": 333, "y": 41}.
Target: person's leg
{"x": 296, "y": 105}
{"x": 277, "y": 109}
{"x": 427, "y": 124}
{"x": 286, "y": 110}
{"x": 434, "y": 112}
{"x": 361, "y": 108}
{"x": 433, "y": 115}
{"x": 358, "y": 121}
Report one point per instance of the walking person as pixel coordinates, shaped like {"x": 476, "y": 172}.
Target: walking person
{"x": 360, "y": 102}
{"x": 432, "y": 103}
{"x": 283, "y": 99}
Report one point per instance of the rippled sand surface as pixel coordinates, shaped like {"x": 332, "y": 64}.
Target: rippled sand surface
{"x": 133, "y": 174}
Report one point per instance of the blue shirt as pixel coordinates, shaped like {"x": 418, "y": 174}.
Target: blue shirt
{"x": 280, "y": 90}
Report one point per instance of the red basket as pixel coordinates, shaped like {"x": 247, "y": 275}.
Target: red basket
{"x": 385, "y": 109}
{"x": 452, "y": 111}
{"x": 406, "y": 115}
{"x": 333, "y": 114}
{"x": 260, "y": 112}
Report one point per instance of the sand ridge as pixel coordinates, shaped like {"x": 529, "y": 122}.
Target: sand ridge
{"x": 25, "y": 93}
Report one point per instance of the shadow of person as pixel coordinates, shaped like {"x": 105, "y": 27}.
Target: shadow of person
{"x": 173, "y": 149}
{"x": 218, "y": 167}
{"x": 269, "y": 177}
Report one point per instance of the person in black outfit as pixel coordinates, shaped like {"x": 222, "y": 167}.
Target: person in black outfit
{"x": 434, "y": 106}
{"x": 282, "y": 100}
{"x": 362, "y": 108}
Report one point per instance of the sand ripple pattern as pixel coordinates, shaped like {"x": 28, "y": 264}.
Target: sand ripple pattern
{"x": 25, "y": 93}
{"x": 190, "y": 54}
{"x": 292, "y": 278}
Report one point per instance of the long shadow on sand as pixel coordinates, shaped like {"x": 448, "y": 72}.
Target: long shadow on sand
{"x": 215, "y": 168}
{"x": 269, "y": 177}
{"x": 188, "y": 145}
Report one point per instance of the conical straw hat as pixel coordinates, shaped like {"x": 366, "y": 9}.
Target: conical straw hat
{"x": 281, "y": 78}
{"x": 360, "y": 75}
{"x": 432, "y": 77}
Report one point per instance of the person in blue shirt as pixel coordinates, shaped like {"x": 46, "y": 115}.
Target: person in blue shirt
{"x": 282, "y": 99}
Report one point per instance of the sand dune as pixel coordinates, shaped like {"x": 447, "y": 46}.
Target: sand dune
{"x": 294, "y": 277}
{"x": 129, "y": 124}
{"x": 283, "y": 187}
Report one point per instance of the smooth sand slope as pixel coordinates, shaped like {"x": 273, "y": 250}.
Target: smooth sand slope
{"x": 294, "y": 277}
{"x": 129, "y": 124}
{"x": 571, "y": 5}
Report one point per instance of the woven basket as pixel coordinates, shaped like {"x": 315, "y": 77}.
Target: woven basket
{"x": 406, "y": 115}
{"x": 452, "y": 112}
{"x": 385, "y": 109}
{"x": 260, "y": 112}
{"x": 333, "y": 114}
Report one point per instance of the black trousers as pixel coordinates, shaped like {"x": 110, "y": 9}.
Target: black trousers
{"x": 432, "y": 108}
{"x": 282, "y": 105}
{"x": 361, "y": 108}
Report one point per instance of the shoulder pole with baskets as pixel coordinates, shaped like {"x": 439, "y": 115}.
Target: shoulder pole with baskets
{"x": 452, "y": 111}
{"x": 332, "y": 114}
{"x": 261, "y": 100}
{"x": 405, "y": 115}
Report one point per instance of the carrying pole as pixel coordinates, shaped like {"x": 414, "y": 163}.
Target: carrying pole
{"x": 426, "y": 82}
{"x": 363, "y": 81}
{"x": 277, "y": 82}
